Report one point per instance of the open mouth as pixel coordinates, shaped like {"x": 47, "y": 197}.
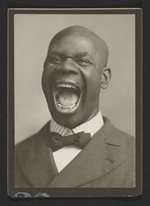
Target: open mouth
{"x": 67, "y": 97}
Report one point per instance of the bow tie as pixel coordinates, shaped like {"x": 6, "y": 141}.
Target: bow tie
{"x": 56, "y": 141}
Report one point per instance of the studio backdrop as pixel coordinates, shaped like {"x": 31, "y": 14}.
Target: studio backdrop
{"x": 32, "y": 34}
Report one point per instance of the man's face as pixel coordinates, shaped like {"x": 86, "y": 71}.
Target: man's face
{"x": 71, "y": 79}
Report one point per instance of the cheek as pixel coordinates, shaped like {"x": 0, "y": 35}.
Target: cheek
{"x": 47, "y": 73}
{"x": 93, "y": 82}
{"x": 46, "y": 79}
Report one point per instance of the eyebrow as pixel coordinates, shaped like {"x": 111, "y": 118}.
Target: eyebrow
{"x": 56, "y": 53}
{"x": 78, "y": 55}
{"x": 81, "y": 54}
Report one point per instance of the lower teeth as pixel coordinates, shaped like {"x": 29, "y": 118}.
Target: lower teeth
{"x": 66, "y": 107}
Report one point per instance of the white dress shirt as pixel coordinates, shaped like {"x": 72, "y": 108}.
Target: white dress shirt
{"x": 66, "y": 154}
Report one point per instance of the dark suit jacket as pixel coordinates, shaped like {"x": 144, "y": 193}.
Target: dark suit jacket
{"x": 106, "y": 161}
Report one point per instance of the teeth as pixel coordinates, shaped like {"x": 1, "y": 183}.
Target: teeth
{"x": 66, "y": 107}
{"x": 63, "y": 85}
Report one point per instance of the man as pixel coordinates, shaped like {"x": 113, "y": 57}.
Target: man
{"x": 78, "y": 147}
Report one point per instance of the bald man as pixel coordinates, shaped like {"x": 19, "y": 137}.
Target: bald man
{"x": 77, "y": 147}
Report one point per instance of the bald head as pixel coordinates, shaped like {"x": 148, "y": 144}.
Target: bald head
{"x": 82, "y": 32}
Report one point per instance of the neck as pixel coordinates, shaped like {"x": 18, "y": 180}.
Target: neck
{"x": 91, "y": 126}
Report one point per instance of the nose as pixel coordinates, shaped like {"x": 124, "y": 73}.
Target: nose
{"x": 68, "y": 66}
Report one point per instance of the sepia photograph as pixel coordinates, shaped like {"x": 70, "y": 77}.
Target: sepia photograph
{"x": 74, "y": 102}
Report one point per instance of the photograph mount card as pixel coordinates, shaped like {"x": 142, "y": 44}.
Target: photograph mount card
{"x": 74, "y": 102}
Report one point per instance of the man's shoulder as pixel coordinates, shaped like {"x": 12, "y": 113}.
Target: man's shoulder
{"x": 34, "y": 140}
{"x": 116, "y": 136}
{"x": 119, "y": 144}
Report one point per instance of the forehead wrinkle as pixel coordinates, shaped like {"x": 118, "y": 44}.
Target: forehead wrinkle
{"x": 79, "y": 31}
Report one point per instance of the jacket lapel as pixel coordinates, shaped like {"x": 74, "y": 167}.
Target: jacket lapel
{"x": 40, "y": 166}
{"x": 98, "y": 158}
{"x": 87, "y": 165}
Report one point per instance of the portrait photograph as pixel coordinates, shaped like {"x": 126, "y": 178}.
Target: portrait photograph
{"x": 74, "y": 103}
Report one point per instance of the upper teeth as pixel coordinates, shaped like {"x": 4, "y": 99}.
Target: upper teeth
{"x": 65, "y": 85}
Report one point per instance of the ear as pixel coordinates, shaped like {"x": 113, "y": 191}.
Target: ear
{"x": 105, "y": 77}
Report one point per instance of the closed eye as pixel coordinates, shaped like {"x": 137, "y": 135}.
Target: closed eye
{"x": 83, "y": 62}
{"x": 54, "y": 59}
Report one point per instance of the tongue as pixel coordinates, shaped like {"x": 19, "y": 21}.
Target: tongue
{"x": 67, "y": 99}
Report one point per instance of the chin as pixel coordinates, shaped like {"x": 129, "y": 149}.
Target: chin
{"x": 67, "y": 120}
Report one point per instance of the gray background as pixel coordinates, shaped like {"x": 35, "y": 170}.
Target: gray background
{"x": 32, "y": 34}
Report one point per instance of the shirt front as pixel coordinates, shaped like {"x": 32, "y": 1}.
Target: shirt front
{"x": 66, "y": 154}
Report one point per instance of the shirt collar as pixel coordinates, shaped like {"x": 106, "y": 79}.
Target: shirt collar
{"x": 91, "y": 126}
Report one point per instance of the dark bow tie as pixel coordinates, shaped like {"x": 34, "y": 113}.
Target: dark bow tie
{"x": 56, "y": 141}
